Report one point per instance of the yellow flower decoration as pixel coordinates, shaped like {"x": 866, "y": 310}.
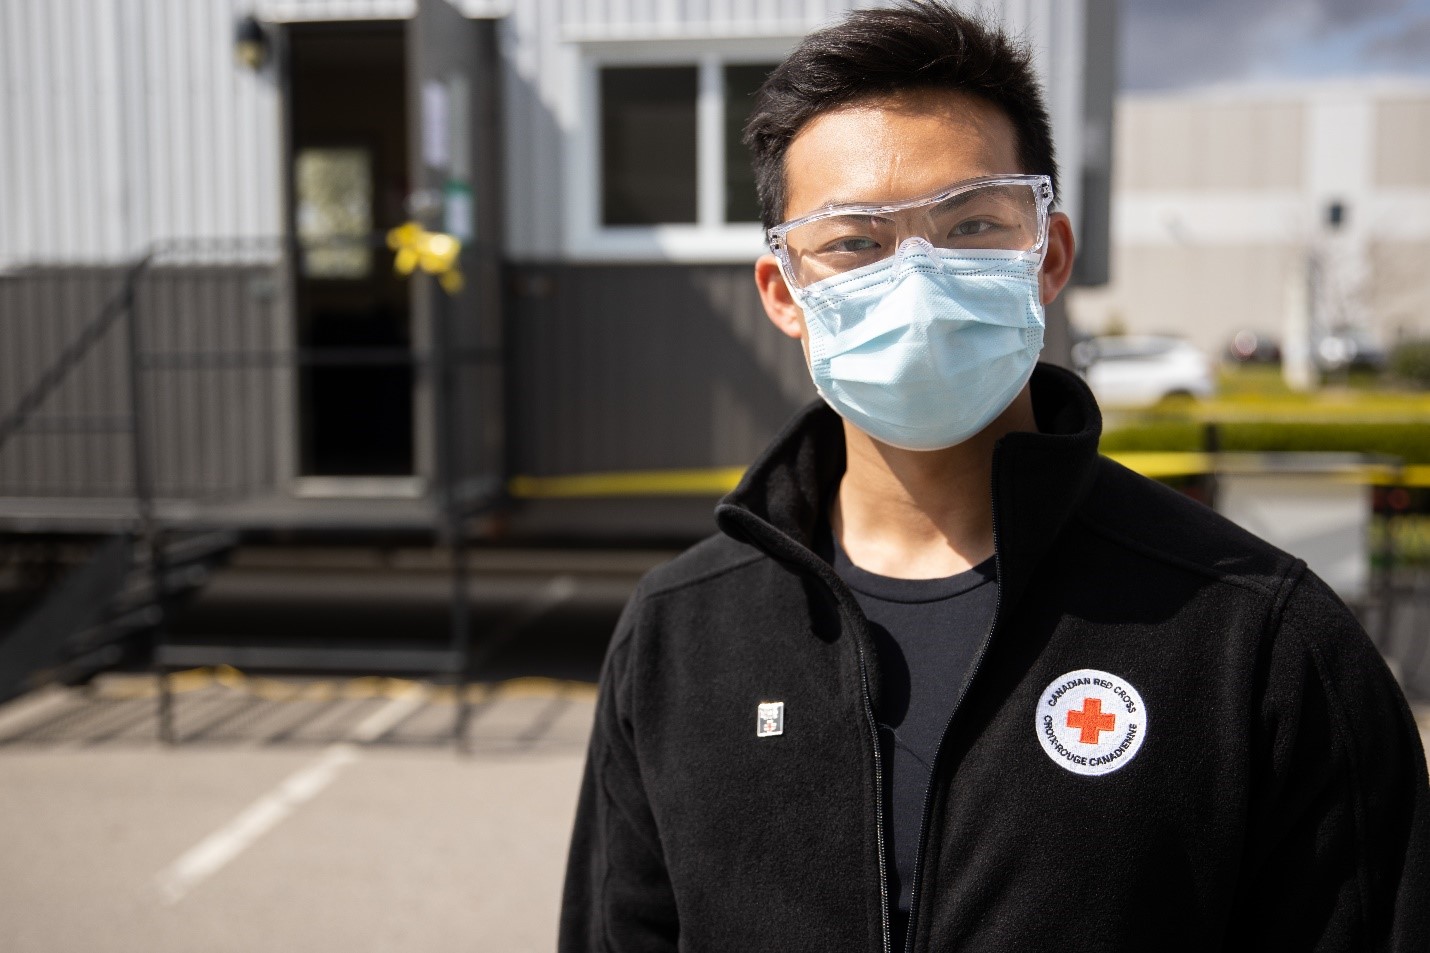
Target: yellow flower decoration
{"x": 434, "y": 252}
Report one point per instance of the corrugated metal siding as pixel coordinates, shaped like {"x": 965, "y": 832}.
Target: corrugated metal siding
{"x": 627, "y": 19}
{"x": 301, "y": 10}
{"x": 630, "y": 367}
{"x": 128, "y": 121}
{"x": 217, "y": 359}
{"x": 216, "y": 362}
{"x": 311, "y": 10}
{"x": 44, "y": 309}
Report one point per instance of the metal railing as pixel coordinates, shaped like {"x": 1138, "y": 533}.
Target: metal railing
{"x": 115, "y": 411}
{"x": 179, "y": 379}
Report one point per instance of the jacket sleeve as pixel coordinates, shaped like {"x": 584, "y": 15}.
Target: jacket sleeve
{"x": 618, "y": 897}
{"x": 1339, "y": 847}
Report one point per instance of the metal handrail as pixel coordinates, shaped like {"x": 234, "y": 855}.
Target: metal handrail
{"x": 74, "y": 352}
{"x": 41, "y": 408}
{"x": 146, "y": 415}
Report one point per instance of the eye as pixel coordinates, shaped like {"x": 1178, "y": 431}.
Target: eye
{"x": 844, "y": 236}
{"x": 853, "y": 244}
{"x": 972, "y": 226}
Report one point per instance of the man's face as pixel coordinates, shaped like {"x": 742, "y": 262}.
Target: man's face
{"x": 892, "y": 149}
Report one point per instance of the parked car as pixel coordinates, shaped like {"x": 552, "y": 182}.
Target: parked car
{"x": 1136, "y": 370}
{"x": 1253, "y": 347}
{"x": 1350, "y": 349}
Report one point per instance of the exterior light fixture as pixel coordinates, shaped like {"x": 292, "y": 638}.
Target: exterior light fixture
{"x": 1336, "y": 214}
{"x": 250, "y": 43}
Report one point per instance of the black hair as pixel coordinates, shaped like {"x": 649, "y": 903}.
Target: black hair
{"x": 872, "y": 54}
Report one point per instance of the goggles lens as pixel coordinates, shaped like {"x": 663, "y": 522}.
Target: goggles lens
{"x": 1007, "y": 213}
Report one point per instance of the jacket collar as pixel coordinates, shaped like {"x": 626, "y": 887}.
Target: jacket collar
{"x": 1038, "y": 481}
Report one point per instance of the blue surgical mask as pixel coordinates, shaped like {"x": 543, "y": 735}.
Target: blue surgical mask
{"x": 924, "y": 349}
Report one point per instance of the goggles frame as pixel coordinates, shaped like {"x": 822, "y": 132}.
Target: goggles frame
{"x": 1042, "y": 186}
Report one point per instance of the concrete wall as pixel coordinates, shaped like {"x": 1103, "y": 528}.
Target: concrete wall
{"x": 1399, "y": 291}
{"x": 1402, "y": 143}
{"x": 1220, "y": 206}
{"x": 1204, "y": 294}
{"x": 1166, "y": 145}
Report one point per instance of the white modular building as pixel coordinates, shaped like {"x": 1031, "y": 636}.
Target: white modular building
{"x": 587, "y": 153}
{"x": 130, "y": 121}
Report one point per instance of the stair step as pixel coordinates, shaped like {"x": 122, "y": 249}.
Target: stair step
{"x": 319, "y": 658}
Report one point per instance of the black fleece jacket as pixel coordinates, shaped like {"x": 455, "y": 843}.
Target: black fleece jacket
{"x": 1277, "y": 798}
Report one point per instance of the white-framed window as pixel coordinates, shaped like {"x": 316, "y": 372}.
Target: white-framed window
{"x": 656, "y": 170}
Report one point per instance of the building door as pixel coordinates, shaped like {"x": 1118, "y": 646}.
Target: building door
{"x": 348, "y": 182}
{"x": 453, "y": 152}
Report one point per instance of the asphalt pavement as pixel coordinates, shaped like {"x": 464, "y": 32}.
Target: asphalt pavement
{"x": 322, "y": 815}
{"x": 318, "y": 812}
{"x": 321, "y": 812}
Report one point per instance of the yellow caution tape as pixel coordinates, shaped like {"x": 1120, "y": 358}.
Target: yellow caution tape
{"x": 1158, "y": 465}
{"x": 1161, "y": 465}
{"x": 712, "y": 482}
{"x": 434, "y": 252}
{"x": 1171, "y": 464}
{"x": 1415, "y": 476}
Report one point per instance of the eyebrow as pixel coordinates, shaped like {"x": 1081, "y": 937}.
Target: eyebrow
{"x": 925, "y": 196}
{"x": 837, "y": 203}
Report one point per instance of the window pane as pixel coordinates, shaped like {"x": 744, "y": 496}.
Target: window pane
{"x": 334, "y": 199}
{"x": 648, "y": 144}
{"x": 741, "y": 83}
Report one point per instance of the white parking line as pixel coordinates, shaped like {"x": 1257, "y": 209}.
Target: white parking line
{"x": 210, "y": 855}
{"x": 28, "y": 708}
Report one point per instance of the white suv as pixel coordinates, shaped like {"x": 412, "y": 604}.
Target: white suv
{"x": 1136, "y": 370}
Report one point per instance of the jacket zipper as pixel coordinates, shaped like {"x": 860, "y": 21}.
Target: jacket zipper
{"x": 878, "y": 798}
{"x": 832, "y": 585}
{"x": 933, "y": 766}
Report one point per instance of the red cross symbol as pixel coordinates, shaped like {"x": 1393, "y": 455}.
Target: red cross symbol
{"x": 1091, "y": 720}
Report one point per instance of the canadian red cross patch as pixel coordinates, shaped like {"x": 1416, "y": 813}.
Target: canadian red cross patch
{"x": 1091, "y": 722}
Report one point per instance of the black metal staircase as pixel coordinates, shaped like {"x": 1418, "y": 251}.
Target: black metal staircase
{"x": 176, "y": 489}
{"x": 107, "y": 609}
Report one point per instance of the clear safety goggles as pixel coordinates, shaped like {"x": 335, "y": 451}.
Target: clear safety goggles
{"x": 992, "y": 213}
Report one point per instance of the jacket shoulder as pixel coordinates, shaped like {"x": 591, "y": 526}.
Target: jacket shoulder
{"x": 708, "y": 559}
{"x": 707, "y": 564}
{"x": 1160, "y": 523}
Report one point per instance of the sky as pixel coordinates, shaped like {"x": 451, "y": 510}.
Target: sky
{"x": 1174, "y": 44}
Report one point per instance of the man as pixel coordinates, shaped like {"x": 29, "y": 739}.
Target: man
{"x": 949, "y": 680}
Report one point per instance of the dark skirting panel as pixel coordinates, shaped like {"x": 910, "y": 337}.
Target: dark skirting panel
{"x": 615, "y": 368}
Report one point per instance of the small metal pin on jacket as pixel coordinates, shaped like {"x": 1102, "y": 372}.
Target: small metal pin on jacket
{"x": 770, "y": 719}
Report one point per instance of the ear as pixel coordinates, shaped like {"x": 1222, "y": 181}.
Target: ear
{"x": 1058, "y": 262}
{"x": 775, "y": 296}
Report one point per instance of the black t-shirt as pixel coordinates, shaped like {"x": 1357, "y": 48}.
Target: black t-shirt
{"x": 926, "y": 632}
